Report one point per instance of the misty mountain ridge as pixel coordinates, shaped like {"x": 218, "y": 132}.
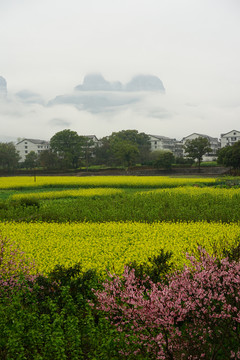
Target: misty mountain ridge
{"x": 96, "y": 94}
{"x": 96, "y": 82}
{"x": 3, "y": 87}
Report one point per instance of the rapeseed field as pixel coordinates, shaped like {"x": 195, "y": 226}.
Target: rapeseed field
{"x": 99, "y": 181}
{"x": 133, "y": 227}
{"x": 111, "y": 245}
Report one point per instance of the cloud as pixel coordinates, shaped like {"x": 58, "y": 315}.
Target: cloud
{"x": 96, "y": 102}
{"x": 29, "y": 97}
{"x": 59, "y": 123}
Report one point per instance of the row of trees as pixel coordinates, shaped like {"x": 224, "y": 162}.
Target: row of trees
{"x": 124, "y": 148}
{"x": 70, "y": 150}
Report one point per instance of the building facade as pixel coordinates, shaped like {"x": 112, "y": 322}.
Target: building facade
{"x": 25, "y": 146}
{"x": 230, "y": 138}
{"x": 162, "y": 143}
{"x": 214, "y": 145}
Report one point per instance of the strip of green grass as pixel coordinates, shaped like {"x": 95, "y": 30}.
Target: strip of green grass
{"x": 131, "y": 206}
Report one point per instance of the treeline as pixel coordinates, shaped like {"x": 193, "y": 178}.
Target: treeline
{"x": 68, "y": 150}
{"x": 125, "y": 148}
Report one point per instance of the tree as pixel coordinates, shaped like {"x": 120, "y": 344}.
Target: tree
{"x": 31, "y": 160}
{"x": 230, "y": 156}
{"x": 163, "y": 159}
{"x": 68, "y": 145}
{"x": 9, "y": 157}
{"x": 125, "y": 152}
{"x": 140, "y": 140}
{"x": 196, "y": 148}
{"x": 193, "y": 315}
{"x": 48, "y": 159}
{"x": 102, "y": 153}
{"x": 126, "y": 147}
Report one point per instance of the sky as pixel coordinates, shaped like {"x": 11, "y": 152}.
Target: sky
{"x": 47, "y": 48}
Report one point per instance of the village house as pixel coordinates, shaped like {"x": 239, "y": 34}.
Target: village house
{"x": 214, "y": 145}
{"x": 162, "y": 143}
{"x": 25, "y": 146}
{"x": 230, "y": 138}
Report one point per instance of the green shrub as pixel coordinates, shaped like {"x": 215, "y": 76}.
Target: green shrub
{"x": 156, "y": 268}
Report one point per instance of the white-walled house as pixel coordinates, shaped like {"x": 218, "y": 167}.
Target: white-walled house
{"x": 214, "y": 144}
{"x": 230, "y": 138}
{"x": 162, "y": 143}
{"x": 26, "y": 145}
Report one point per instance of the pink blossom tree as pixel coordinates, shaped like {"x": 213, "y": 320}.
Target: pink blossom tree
{"x": 196, "y": 315}
{"x": 15, "y": 269}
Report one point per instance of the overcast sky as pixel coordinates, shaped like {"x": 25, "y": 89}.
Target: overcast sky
{"x": 48, "y": 46}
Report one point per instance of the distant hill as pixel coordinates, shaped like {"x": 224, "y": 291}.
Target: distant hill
{"x": 145, "y": 83}
{"x": 96, "y": 82}
{"x": 3, "y": 87}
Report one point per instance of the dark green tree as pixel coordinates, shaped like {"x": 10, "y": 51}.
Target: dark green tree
{"x": 125, "y": 152}
{"x": 126, "y": 147}
{"x": 196, "y": 148}
{"x": 102, "y": 153}
{"x": 230, "y": 156}
{"x": 9, "y": 157}
{"x": 141, "y": 140}
{"x": 69, "y": 147}
{"x": 49, "y": 159}
{"x": 163, "y": 159}
{"x": 31, "y": 160}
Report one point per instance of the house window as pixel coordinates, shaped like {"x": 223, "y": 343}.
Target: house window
{"x": 233, "y": 139}
{"x": 155, "y": 142}
{"x": 26, "y": 147}
{"x": 26, "y": 151}
{"x": 25, "y": 142}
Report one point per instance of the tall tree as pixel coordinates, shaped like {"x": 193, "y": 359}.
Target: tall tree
{"x": 230, "y": 156}
{"x": 125, "y": 152}
{"x": 126, "y": 147}
{"x": 196, "y": 148}
{"x": 49, "y": 159}
{"x": 9, "y": 156}
{"x": 102, "y": 153}
{"x": 140, "y": 140}
{"x": 31, "y": 160}
{"x": 163, "y": 159}
{"x": 68, "y": 145}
